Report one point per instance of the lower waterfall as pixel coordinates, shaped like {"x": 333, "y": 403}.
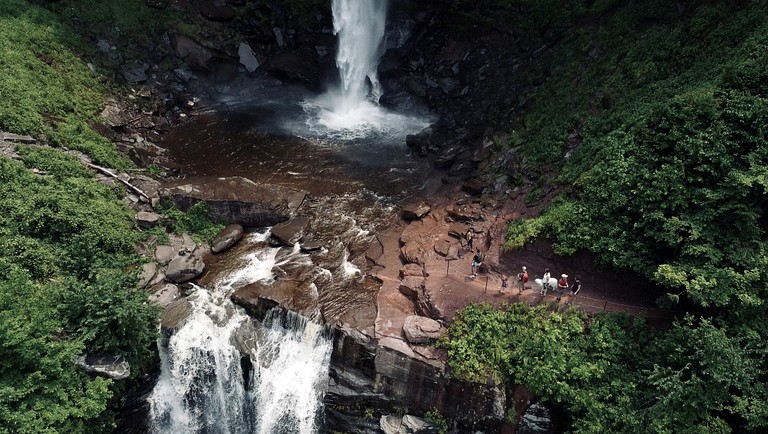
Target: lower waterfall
{"x": 222, "y": 372}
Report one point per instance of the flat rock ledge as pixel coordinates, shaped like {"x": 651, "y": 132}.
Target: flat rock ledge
{"x": 235, "y": 199}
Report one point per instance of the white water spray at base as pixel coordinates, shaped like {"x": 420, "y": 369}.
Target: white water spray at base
{"x": 352, "y": 111}
{"x": 360, "y": 27}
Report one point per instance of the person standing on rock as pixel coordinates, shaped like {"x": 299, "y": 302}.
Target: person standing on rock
{"x": 477, "y": 261}
{"x": 522, "y": 279}
{"x": 470, "y": 237}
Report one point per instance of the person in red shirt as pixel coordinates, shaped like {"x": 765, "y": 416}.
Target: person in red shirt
{"x": 522, "y": 279}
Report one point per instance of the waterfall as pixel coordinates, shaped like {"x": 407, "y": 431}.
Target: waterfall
{"x": 289, "y": 389}
{"x": 359, "y": 25}
{"x": 223, "y": 373}
{"x": 352, "y": 112}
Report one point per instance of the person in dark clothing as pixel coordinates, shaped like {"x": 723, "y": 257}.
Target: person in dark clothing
{"x": 576, "y": 286}
{"x": 477, "y": 261}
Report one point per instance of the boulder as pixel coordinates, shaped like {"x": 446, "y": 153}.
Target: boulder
{"x": 415, "y": 211}
{"x": 148, "y": 271}
{"x": 227, "y": 238}
{"x": 390, "y": 424}
{"x": 135, "y": 75}
{"x": 146, "y": 219}
{"x": 175, "y": 314}
{"x": 164, "y": 254}
{"x": 412, "y": 253}
{"x": 165, "y": 295}
{"x": 113, "y": 367}
{"x": 235, "y": 199}
{"x": 184, "y": 267}
{"x": 421, "y": 330}
{"x": 191, "y": 51}
{"x": 290, "y": 232}
{"x": 247, "y": 57}
{"x": 443, "y": 247}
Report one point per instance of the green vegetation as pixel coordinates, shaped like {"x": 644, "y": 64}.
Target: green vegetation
{"x": 67, "y": 260}
{"x": 615, "y": 374}
{"x": 669, "y": 178}
{"x": 659, "y": 115}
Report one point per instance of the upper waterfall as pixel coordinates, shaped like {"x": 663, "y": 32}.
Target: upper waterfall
{"x": 352, "y": 110}
{"x": 359, "y": 25}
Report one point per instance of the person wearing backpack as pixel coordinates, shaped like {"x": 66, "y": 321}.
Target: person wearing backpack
{"x": 522, "y": 279}
{"x": 477, "y": 261}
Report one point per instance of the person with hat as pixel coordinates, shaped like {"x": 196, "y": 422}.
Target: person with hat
{"x": 562, "y": 285}
{"x": 522, "y": 278}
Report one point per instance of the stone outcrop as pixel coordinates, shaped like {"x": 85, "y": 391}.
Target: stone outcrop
{"x": 290, "y": 232}
{"x": 236, "y": 199}
{"x": 363, "y": 372}
{"x": 421, "y": 330}
{"x": 185, "y": 267}
{"x": 113, "y": 367}
{"x": 227, "y": 238}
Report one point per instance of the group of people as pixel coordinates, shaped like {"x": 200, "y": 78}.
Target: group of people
{"x": 547, "y": 282}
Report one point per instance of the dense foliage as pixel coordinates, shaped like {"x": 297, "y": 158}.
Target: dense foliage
{"x": 658, "y": 113}
{"x": 666, "y": 147}
{"x": 614, "y": 374}
{"x": 67, "y": 260}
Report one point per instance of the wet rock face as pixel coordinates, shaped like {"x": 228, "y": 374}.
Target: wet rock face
{"x": 113, "y": 367}
{"x": 365, "y": 374}
{"x": 227, "y": 238}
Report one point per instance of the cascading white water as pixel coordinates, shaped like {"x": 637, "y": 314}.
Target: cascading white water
{"x": 289, "y": 389}
{"x": 353, "y": 111}
{"x": 207, "y": 385}
{"x": 359, "y": 25}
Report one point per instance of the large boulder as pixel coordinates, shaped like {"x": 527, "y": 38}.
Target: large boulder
{"x": 191, "y": 51}
{"x": 290, "y": 232}
{"x": 421, "y": 330}
{"x": 235, "y": 199}
{"x": 184, "y": 268}
{"x": 227, "y": 238}
{"x": 113, "y": 367}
